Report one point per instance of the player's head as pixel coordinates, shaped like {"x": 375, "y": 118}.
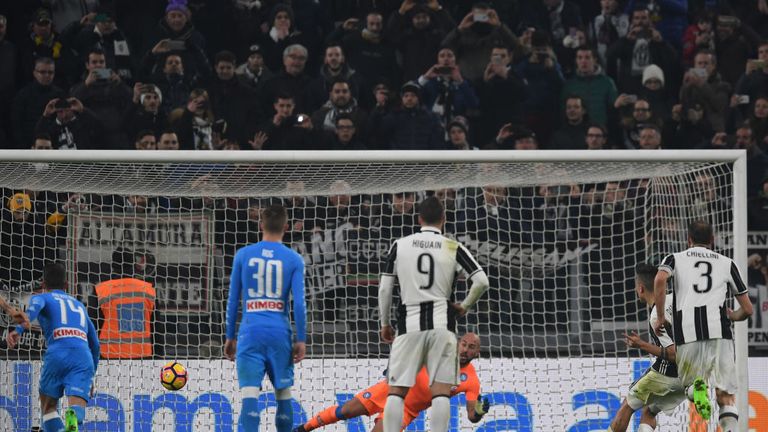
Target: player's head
{"x": 644, "y": 276}
{"x": 274, "y": 219}
{"x": 469, "y": 348}
{"x": 54, "y": 276}
{"x": 431, "y": 212}
{"x": 700, "y": 233}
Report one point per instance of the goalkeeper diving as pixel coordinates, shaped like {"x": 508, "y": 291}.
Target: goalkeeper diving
{"x": 372, "y": 400}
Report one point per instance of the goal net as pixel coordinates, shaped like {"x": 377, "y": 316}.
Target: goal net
{"x": 559, "y": 234}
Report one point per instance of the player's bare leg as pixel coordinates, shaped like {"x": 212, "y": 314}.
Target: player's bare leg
{"x": 729, "y": 415}
{"x": 647, "y": 421}
{"x": 622, "y": 417}
{"x": 51, "y": 420}
{"x": 395, "y": 408}
{"x": 351, "y": 409}
{"x": 440, "y": 415}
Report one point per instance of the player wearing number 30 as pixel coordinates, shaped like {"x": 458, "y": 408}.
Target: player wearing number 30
{"x": 72, "y": 355}
{"x": 426, "y": 265}
{"x": 701, "y": 323}
{"x": 264, "y": 276}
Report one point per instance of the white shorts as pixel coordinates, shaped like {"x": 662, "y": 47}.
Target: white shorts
{"x": 657, "y": 392}
{"x": 437, "y": 349}
{"x": 712, "y": 359}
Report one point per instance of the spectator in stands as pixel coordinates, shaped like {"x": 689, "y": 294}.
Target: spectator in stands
{"x": 71, "y": 125}
{"x": 757, "y": 160}
{"x": 689, "y": 127}
{"x": 177, "y": 34}
{"x": 607, "y": 27}
{"x": 283, "y": 131}
{"x": 642, "y": 46}
{"x": 67, "y": 13}
{"x": 7, "y": 78}
{"x": 655, "y": 92}
{"x": 98, "y": 30}
{"x": 699, "y": 35}
{"x": 758, "y": 121}
{"x": 334, "y": 67}
{"x": 670, "y": 18}
{"x": 292, "y": 79}
{"x": 103, "y": 92}
{"x": 231, "y": 100}
{"x": 757, "y": 209}
{"x": 445, "y": 91}
{"x": 596, "y": 89}
{"x": 340, "y": 101}
{"x": 543, "y": 75}
{"x": 281, "y": 35}
{"x": 344, "y": 134}
{"x": 145, "y": 140}
{"x": 168, "y": 141}
{"x": 412, "y": 127}
{"x": 754, "y": 82}
{"x": 713, "y": 99}
{"x": 43, "y": 41}
{"x": 370, "y": 54}
{"x": 596, "y": 138}
{"x": 571, "y": 135}
{"x": 517, "y": 138}
{"x": 42, "y": 142}
{"x": 254, "y": 73}
{"x": 558, "y": 18}
{"x": 478, "y": 33}
{"x": 733, "y": 48}
{"x": 173, "y": 82}
{"x": 30, "y": 101}
{"x": 417, "y": 31}
{"x": 707, "y": 60}
{"x": 193, "y": 125}
{"x": 144, "y": 113}
{"x": 458, "y": 132}
{"x": 649, "y": 138}
{"x": 642, "y": 115}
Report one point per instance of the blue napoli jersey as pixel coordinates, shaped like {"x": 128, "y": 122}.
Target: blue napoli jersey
{"x": 65, "y": 324}
{"x": 264, "y": 276}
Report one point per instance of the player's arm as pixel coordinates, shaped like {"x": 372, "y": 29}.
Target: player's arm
{"x": 665, "y": 353}
{"x": 740, "y": 291}
{"x": 36, "y": 305}
{"x": 476, "y": 274}
{"x": 299, "y": 312}
{"x": 93, "y": 344}
{"x": 660, "y": 290}
{"x": 233, "y": 303}
{"x": 18, "y": 316}
{"x": 477, "y": 405}
{"x": 386, "y": 286}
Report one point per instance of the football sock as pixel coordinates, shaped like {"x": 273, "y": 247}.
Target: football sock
{"x": 79, "y": 412}
{"x": 729, "y": 418}
{"x": 644, "y": 428}
{"x": 393, "y": 413}
{"x": 440, "y": 414}
{"x": 325, "y": 417}
{"x": 52, "y": 422}
{"x": 284, "y": 415}
{"x": 249, "y": 416}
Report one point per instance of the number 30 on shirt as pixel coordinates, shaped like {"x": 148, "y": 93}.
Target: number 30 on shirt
{"x": 268, "y": 275}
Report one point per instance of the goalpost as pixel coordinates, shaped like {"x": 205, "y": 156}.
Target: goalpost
{"x": 559, "y": 233}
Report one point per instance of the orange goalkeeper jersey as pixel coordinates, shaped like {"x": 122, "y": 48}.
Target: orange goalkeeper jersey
{"x": 419, "y": 397}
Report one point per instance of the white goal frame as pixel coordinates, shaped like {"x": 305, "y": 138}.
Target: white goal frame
{"x": 737, "y": 157}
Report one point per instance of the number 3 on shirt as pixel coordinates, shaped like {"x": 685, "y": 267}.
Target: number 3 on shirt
{"x": 269, "y": 278}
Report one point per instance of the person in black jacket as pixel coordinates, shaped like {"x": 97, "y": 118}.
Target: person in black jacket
{"x": 231, "y": 100}
{"x": 145, "y": 113}
{"x": 30, "y": 102}
{"x": 412, "y": 127}
{"x": 70, "y": 125}
{"x": 284, "y": 131}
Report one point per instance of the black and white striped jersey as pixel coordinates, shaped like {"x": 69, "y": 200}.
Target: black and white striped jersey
{"x": 664, "y": 340}
{"x": 701, "y": 280}
{"x": 426, "y": 265}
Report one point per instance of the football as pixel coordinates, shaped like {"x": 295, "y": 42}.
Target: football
{"x": 173, "y": 376}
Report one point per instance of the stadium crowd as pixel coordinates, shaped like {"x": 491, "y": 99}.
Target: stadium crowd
{"x": 393, "y": 74}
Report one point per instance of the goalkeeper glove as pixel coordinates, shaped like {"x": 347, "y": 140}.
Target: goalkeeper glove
{"x": 482, "y": 406}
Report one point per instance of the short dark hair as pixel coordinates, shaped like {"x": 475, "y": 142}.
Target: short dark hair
{"x": 54, "y": 276}
{"x": 274, "y": 218}
{"x": 42, "y": 136}
{"x": 340, "y": 80}
{"x": 344, "y": 117}
{"x": 700, "y": 232}
{"x": 431, "y": 211}
{"x": 598, "y": 126}
{"x": 282, "y": 95}
{"x": 143, "y": 133}
{"x": 94, "y": 50}
{"x": 646, "y": 273}
{"x": 45, "y": 61}
{"x": 225, "y": 56}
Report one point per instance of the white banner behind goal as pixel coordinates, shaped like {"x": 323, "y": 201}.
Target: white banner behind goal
{"x": 559, "y": 234}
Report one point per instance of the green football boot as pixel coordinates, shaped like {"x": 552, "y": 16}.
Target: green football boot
{"x": 701, "y": 398}
{"x": 70, "y": 420}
